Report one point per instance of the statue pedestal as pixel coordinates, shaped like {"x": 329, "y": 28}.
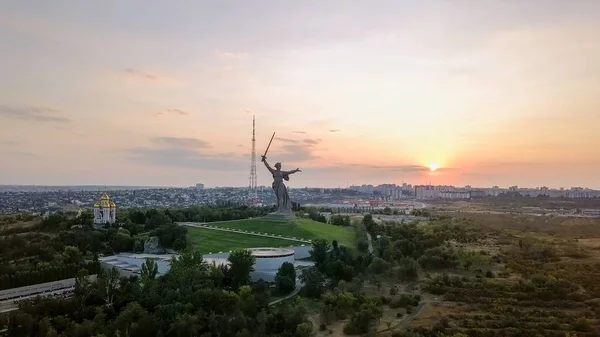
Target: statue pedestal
{"x": 281, "y": 216}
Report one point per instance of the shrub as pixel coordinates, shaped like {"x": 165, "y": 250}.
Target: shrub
{"x": 404, "y": 301}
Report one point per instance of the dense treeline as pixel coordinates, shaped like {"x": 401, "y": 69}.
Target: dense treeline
{"x": 37, "y": 252}
{"x": 32, "y": 258}
{"x": 192, "y": 299}
{"x": 45, "y": 274}
{"x": 400, "y": 250}
{"x": 200, "y": 213}
{"x": 335, "y": 279}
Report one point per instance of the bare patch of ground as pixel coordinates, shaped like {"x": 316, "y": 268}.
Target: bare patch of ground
{"x": 431, "y": 313}
{"x": 335, "y": 329}
{"x": 590, "y": 243}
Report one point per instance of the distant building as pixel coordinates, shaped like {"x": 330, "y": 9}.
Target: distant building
{"x": 478, "y": 194}
{"x": 105, "y": 211}
{"x": 199, "y": 187}
{"x": 424, "y": 192}
{"x": 455, "y": 194}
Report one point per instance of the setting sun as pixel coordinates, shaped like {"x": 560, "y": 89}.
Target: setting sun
{"x": 433, "y": 167}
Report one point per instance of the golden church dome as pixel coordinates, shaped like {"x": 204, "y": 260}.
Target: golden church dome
{"x": 105, "y": 197}
{"x": 112, "y": 205}
{"x": 96, "y": 205}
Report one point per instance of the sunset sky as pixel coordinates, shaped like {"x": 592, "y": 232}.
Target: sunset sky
{"x": 145, "y": 92}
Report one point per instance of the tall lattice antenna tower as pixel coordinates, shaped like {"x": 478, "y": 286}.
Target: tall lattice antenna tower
{"x": 252, "y": 194}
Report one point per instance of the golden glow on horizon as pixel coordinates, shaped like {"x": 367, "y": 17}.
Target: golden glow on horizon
{"x": 409, "y": 98}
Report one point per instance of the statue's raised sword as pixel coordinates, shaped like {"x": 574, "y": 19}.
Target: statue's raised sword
{"x": 268, "y": 146}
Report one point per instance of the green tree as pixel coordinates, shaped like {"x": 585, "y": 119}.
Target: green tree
{"x": 241, "y": 265}
{"x": 149, "y": 269}
{"x": 122, "y": 242}
{"x": 83, "y": 287}
{"x": 379, "y": 266}
{"x": 320, "y": 247}
{"x": 72, "y": 255}
{"x": 304, "y": 329}
{"x": 107, "y": 283}
{"x": 157, "y": 220}
{"x": 186, "y": 325}
{"x": 337, "y": 220}
{"x": 408, "y": 269}
{"x": 85, "y": 219}
{"x": 314, "y": 282}
{"x": 135, "y": 321}
{"x": 285, "y": 280}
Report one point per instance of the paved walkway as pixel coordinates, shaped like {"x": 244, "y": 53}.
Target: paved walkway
{"x": 290, "y": 295}
{"x": 406, "y": 320}
{"x": 370, "y": 241}
{"x": 239, "y": 231}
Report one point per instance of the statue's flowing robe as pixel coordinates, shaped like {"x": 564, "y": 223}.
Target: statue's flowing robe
{"x": 281, "y": 192}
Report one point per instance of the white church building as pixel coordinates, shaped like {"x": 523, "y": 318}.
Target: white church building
{"x": 105, "y": 211}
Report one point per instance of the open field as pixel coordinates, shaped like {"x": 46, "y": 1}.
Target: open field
{"x": 544, "y": 281}
{"x": 300, "y": 228}
{"x": 512, "y": 275}
{"x": 211, "y": 241}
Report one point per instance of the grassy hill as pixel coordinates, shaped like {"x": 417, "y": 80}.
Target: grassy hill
{"x": 211, "y": 241}
{"x": 206, "y": 240}
{"x": 300, "y": 228}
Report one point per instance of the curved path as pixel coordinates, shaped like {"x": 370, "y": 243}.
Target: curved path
{"x": 239, "y": 231}
{"x": 370, "y": 242}
{"x": 290, "y": 295}
{"x": 406, "y": 320}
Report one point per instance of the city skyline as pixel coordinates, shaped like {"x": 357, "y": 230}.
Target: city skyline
{"x": 496, "y": 93}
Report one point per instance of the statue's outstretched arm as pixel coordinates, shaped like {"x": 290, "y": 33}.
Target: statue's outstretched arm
{"x": 264, "y": 160}
{"x": 292, "y": 171}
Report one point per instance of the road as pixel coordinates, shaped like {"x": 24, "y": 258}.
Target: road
{"x": 10, "y": 305}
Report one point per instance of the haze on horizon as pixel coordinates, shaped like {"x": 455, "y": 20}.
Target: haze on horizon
{"x": 156, "y": 93}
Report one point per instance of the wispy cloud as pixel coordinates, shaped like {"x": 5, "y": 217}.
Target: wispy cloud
{"x": 7, "y": 142}
{"x": 307, "y": 141}
{"x": 172, "y": 112}
{"x": 408, "y": 168}
{"x": 185, "y": 153}
{"x": 296, "y": 153}
{"x": 311, "y": 141}
{"x": 38, "y": 114}
{"x": 286, "y": 140}
{"x": 335, "y": 130}
{"x": 17, "y": 154}
{"x": 139, "y": 75}
{"x": 301, "y": 132}
{"x": 188, "y": 143}
{"x": 231, "y": 55}
{"x": 399, "y": 168}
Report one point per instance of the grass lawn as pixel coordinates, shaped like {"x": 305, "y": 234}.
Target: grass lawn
{"x": 300, "y": 228}
{"x": 211, "y": 241}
